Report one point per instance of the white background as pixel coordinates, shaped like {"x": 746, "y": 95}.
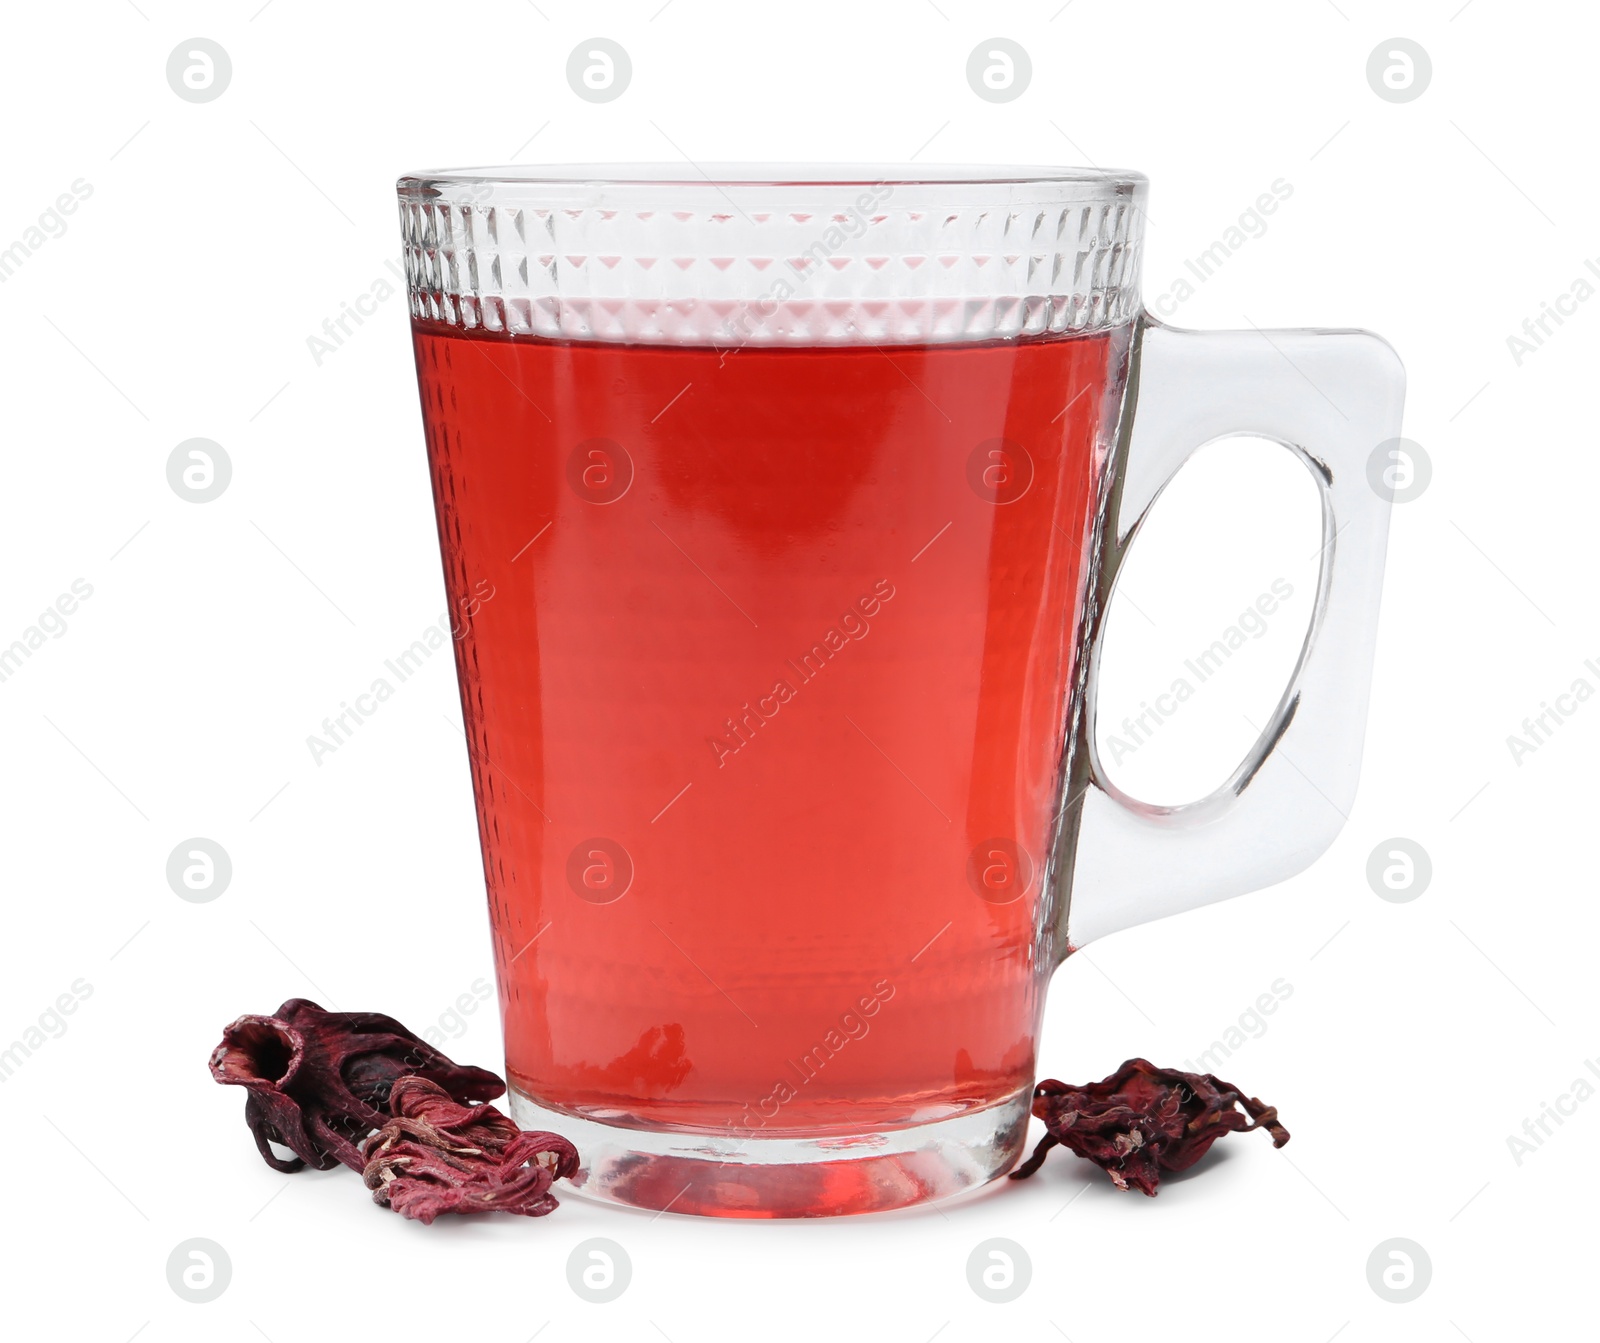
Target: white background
{"x": 178, "y": 303}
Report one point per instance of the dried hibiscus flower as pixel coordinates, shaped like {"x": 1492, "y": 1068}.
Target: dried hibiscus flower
{"x": 1144, "y": 1121}
{"x": 437, "y": 1156}
{"x": 319, "y": 1082}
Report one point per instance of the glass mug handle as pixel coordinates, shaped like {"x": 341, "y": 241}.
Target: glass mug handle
{"x": 1331, "y": 398}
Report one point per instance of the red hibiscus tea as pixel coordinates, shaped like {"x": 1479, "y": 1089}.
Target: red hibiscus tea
{"x": 779, "y": 509}
{"x": 767, "y": 713}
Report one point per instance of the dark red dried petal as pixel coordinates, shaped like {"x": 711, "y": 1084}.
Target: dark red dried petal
{"x": 420, "y": 1182}
{"x": 423, "y": 1105}
{"x": 320, "y": 1081}
{"x": 437, "y": 1156}
{"x": 1143, "y": 1121}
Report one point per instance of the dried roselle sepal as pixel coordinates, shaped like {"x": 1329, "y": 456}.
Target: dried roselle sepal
{"x": 319, "y": 1081}
{"x": 1144, "y": 1121}
{"x": 421, "y": 1183}
{"x": 438, "y": 1156}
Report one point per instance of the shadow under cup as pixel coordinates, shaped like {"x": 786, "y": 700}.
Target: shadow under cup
{"x": 768, "y": 512}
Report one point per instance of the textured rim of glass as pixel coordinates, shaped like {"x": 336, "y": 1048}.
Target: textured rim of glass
{"x": 735, "y": 254}
{"x": 1102, "y": 183}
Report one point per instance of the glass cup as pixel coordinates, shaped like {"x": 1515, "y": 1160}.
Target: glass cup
{"x": 779, "y": 507}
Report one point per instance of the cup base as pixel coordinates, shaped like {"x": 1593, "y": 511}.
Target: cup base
{"x": 752, "y": 1176}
